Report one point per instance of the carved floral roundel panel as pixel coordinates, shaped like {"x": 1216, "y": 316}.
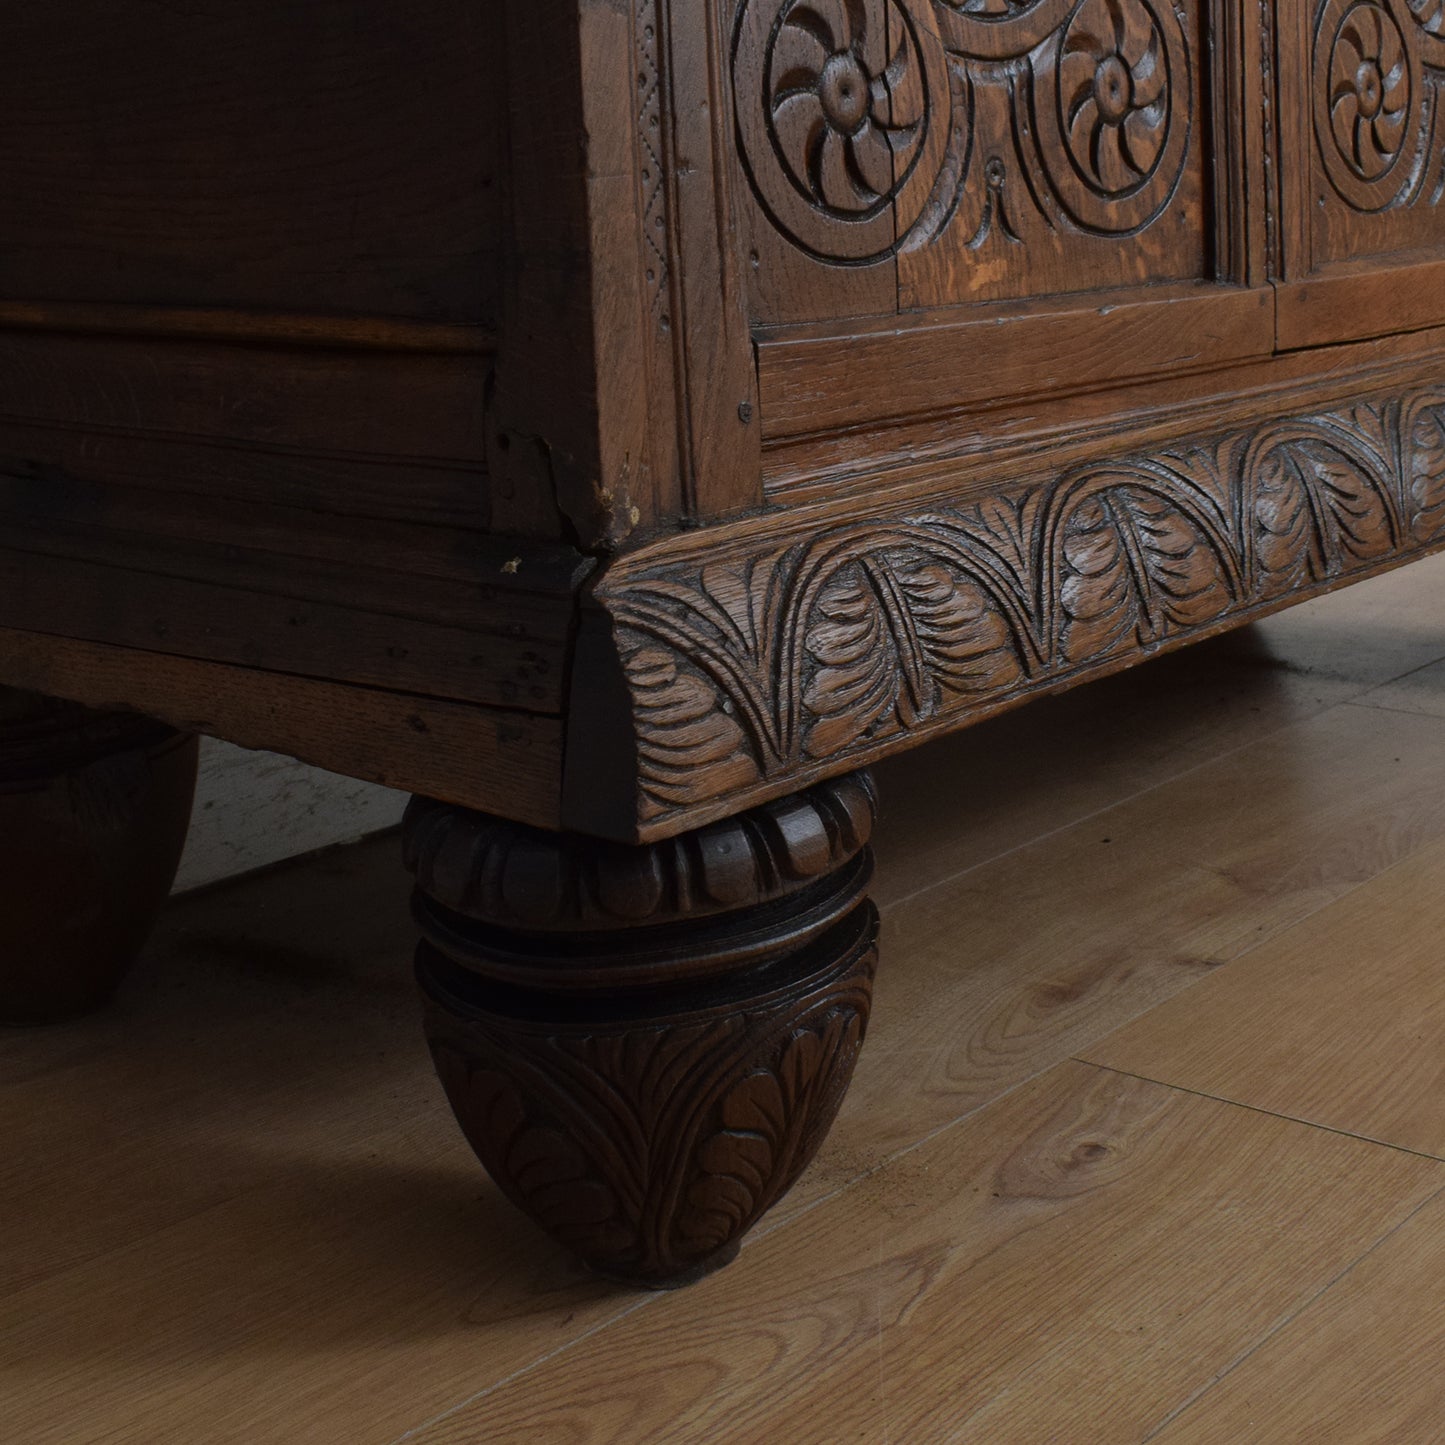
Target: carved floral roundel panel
{"x": 854, "y": 115}
{"x": 1368, "y": 94}
{"x": 1115, "y": 95}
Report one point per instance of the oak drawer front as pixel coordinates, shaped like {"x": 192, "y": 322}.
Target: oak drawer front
{"x": 1362, "y": 162}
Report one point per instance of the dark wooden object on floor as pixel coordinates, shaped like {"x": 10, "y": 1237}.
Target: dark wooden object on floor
{"x": 616, "y": 419}
{"x": 646, "y": 1046}
{"x": 94, "y": 809}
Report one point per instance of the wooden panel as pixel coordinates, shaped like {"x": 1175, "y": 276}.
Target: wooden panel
{"x": 1047, "y": 1270}
{"x": 568, "y": 410}
{"x": 623, "y": 393}
{"x": 285, "y": 328}
{"x": 1340, "y": 1022}
{"x": 1362, "y": 162}
{"x": 1360, "y": 301}
{"x": 1087, "y": 155}
{"x": 131, "y": 599}
{"x": 498, "y": 761}
{"x": 414, "y": 608}
{"x": 339, "y": 155}
{"x": 357, "y": 433}
{"x": 903, "y": 155}
{"x": 716, "y": 403}
{"x": 831, "y": 377}
{"x": 967, "y": 453}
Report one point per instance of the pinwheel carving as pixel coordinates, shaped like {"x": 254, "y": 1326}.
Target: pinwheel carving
{"x": 836, "y": 106}
{"x": 1114, "y": 88}
{"x": 1429, "y": 16}
{"x": 841, "y": 126}
{"x": 1369, "y": 90}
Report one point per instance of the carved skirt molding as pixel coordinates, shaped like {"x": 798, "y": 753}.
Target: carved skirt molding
{"x": 776, "y": 655}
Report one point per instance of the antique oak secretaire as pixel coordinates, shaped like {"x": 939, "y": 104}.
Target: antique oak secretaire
{"x": 618, "y": 423}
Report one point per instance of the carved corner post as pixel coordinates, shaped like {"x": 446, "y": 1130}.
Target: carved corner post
{"x": 646, "y": 1045}
{"x": 95, "y": 808}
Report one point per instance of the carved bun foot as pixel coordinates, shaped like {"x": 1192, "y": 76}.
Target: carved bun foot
{"x": 646, "y": 1045}
{"x": 94, "y": 809}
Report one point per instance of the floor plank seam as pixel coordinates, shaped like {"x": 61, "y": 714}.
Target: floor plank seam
{"x": 1286, "y": 1320}
{"x": 1383, "y": 707}
{"x": 1390, "y": 682}
{"x": 1268, "y": 1113}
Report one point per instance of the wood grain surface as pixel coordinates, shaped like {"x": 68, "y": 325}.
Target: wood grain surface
{"x": 1377, "y": 1335}
{"x": 1053, "y": 1268}
{"x": 239, "y": 1210}
{"x": 477, "y": 757}
{"x": 291, "y": 172}
{"x": 1351, "y": 993}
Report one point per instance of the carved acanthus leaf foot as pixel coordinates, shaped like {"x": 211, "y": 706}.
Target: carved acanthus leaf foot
{"x": 646, "y": 1045}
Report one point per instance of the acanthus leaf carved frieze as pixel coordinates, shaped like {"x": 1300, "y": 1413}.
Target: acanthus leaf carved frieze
{"x": 777, "y": 657}
{"x": 867, "y": 127}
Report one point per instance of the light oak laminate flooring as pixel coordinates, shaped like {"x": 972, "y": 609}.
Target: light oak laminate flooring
{"x": 1145, "y": 1142}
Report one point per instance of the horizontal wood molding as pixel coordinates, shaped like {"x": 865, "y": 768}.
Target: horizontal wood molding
{"x": 896, "y": 464}
{"x": 85, "y": 565}
{"x": 275, "y": 328}
{"x": 498, "y": 761}
{"x": 355, "y": 433}
{"x": 817, "y": 378}
{"x": 1353, "y": 303}
{"x": 757, "y": 660}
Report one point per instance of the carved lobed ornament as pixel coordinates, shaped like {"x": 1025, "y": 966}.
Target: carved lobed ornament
{"x": 775, "y": 657}
{"x": 511, "y": 876}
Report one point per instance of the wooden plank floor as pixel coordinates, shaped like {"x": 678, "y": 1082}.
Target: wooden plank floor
{"x": 1147, "y": 1143}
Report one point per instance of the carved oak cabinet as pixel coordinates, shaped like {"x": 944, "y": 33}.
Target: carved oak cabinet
{"x": 620, "y": 422}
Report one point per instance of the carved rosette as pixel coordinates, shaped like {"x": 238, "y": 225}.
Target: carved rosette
{"x": 1379, "y": 66}
{"x": 1368, "y": 95}
{"x": 1429, "y": 15}
{"x": 1116, "y": 106}
{"x": 843, "y": 110}
{"x": 646, "y": 1045}
{"x": 862, "y": 126}
{"x": 798, "y": 655}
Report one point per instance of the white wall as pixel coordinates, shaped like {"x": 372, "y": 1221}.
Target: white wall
{"x": 257, "y": 808}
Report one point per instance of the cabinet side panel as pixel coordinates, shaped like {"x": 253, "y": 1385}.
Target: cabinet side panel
{"x": 338, "y": 156}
